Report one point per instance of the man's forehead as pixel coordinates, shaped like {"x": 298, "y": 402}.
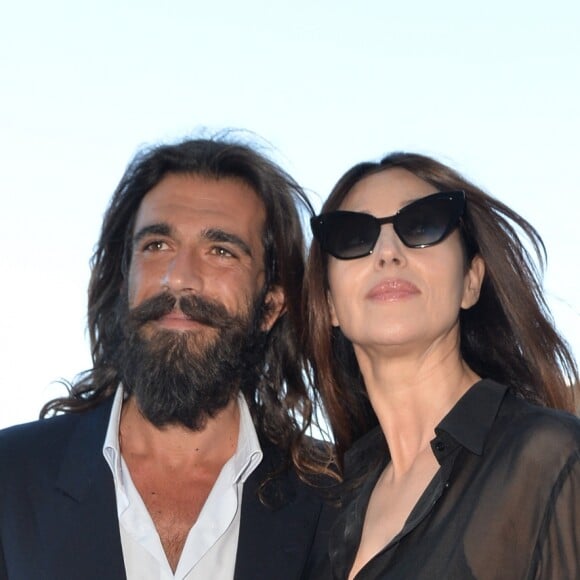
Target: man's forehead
{"x": 204, "y": 193}
{"x": 206, "y": 201}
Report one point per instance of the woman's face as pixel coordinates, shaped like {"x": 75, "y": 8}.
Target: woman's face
{"x": 397, "y": 296}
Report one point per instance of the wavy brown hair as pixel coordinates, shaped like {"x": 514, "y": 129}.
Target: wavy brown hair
{"x": 280, "y": 401}
{"x": 509, "y": 335}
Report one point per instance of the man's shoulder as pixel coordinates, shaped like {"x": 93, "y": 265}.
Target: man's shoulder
{"x": 36, "y": 433}
{"x": 38, "y": 442}
{"x": 281, "y": 482}
{"x": 284, "y": 523}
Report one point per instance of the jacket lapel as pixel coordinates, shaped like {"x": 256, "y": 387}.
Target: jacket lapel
{"x": 80, "y": 522}
{"x": 275, "y": 542}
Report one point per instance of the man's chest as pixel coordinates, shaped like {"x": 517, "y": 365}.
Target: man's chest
{"x": 174, "y": 502}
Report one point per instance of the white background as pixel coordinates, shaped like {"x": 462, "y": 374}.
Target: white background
{"x": 491, "y": 88}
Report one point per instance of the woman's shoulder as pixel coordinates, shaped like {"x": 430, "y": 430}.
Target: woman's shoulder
{"x": 539, "y": 432}
{"x": 553, "y": 423}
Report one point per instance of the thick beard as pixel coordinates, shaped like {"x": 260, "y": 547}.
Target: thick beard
{"x": 185, "y": 377}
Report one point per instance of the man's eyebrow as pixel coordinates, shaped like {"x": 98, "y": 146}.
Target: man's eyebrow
{"x": 160, "y": 229}
{"x": 217, "y": 235}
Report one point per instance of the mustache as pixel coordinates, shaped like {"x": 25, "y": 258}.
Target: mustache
{"x": 193, "y": 306}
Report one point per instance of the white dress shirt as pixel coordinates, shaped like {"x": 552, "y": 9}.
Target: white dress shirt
{"x": 211, "y": 546}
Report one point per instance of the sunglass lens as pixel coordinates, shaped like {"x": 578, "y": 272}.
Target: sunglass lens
{"x": 347, "y": 235}
{"x": 426, "y": 222}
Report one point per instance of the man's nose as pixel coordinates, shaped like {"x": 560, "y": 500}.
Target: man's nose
{"x": 184, "y": 273}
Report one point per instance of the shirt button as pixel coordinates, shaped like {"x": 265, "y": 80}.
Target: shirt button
{"x": 440, "y": 446}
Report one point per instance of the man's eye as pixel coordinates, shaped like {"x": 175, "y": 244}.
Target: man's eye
{"x": 222, "y": 252}
{"x": 155, "y": 246}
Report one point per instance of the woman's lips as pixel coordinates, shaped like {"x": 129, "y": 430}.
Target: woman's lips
{"x": 392, "y": 289}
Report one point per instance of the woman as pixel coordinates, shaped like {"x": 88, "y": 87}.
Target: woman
{"x": 434, "y": 350}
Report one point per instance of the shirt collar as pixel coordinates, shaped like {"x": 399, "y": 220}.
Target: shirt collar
{"x": 111, "y": 448}
{"x": 248, "y": 454}
{"x": 246, "y": 458}
{"x": 470, "y": 420}
{"x": 467, "y": 425}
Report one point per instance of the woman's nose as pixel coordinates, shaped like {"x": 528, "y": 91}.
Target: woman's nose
{"x": 389, "y": 248}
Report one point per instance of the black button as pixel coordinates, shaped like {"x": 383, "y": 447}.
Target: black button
{"x": 440, "y": 446}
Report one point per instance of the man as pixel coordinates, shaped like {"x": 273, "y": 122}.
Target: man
{"x": 181, "y": 454}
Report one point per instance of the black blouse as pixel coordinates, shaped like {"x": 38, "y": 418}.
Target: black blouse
{"x": 504, "y": 504}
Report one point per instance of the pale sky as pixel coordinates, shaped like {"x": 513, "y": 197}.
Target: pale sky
{"x": 490, "y": 88}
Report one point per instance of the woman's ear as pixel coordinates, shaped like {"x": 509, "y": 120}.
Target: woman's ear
{"x": 332, "y": 310}
{"x": 275, "y": 306}
{"x": 473, "y": 281}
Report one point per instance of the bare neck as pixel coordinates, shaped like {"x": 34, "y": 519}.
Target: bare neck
{"x": 411, "y": 393}
{"x": 176, "y": 445}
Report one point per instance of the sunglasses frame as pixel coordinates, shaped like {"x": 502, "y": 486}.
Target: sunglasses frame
{"x": 456, "y": 197}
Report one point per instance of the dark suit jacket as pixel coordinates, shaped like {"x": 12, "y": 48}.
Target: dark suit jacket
{"x": 58, "y": 514}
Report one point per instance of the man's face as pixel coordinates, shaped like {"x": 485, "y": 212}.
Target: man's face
{"x": 195, "y": 235}
{"x": 196, "y": 311}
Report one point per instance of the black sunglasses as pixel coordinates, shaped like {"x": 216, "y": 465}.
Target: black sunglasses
{"x": 348, "y": 234}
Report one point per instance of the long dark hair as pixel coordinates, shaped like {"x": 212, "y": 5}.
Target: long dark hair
{"x": 279, "y": 403}
{"x": 508, "y": 335}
